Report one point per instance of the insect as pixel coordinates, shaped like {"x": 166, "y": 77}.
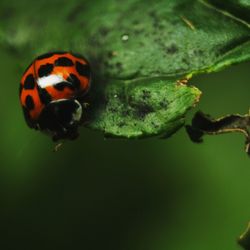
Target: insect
{"x": 52, "y": 93}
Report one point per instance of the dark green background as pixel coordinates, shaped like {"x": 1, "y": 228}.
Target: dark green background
{"x": 148, "y": 194}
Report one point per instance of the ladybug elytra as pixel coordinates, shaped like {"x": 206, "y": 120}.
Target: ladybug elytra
{"x": 51, "y": 92}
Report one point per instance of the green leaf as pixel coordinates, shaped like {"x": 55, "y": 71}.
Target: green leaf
{"x": 135, "y": 109}
{"x": 134, "y": 47}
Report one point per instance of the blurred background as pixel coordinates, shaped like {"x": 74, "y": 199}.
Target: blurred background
{"x": 149, "y": 194}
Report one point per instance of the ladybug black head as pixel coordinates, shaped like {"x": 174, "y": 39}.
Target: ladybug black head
{"x": 61, "y": 119}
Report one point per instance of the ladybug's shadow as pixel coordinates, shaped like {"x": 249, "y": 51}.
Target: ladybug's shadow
{"x": 95, "y": 99}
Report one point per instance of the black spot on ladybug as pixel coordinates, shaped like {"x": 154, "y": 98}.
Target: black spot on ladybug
{"x": 29, "y": 82}
{"x": 74, "y": 80}
{"x": 44, "y": 96}
{"x": 63, "y": 61}
{"x": 83, "y": 69}
{"x": 45, "y": 70}
{"x": 48, "y": 55}
{"x": 26, "y": 113}
{"x": 27, "y": 117}
{"x": 60, "y": 86}
{"x": 29, "y": 102}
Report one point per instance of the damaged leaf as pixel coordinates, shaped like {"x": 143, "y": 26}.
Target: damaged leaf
{"x": 134, "y": 48}
{"x": 203, "y": 124}
{"x": 143, "y": 108}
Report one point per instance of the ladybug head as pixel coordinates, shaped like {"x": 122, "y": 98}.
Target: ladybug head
{"x": 61, "y": 119}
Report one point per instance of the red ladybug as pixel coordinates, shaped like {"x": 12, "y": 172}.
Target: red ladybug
{"x": 52, "y": 91}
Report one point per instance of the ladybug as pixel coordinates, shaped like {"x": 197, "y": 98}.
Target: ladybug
{"x": 52, "y": 93}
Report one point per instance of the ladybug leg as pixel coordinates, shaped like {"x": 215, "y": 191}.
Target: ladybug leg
{"x": 70, "y": 133}
{"x": 85, "y": 105}
{"x": 57, "y": 146}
